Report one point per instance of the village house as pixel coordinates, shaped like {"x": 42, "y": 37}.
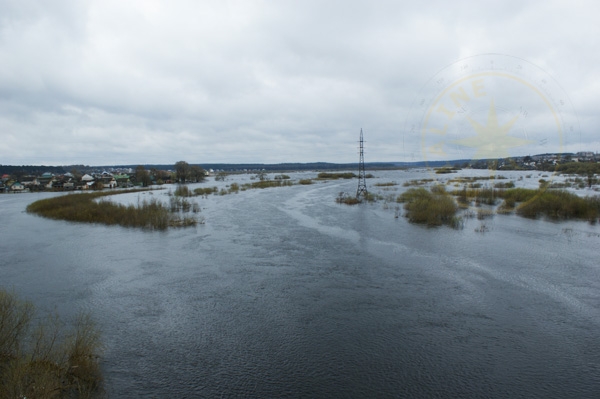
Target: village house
{"x": 123, "y": 181}
{"x": 17, "y": 187}
{"x": 45, "y": 179}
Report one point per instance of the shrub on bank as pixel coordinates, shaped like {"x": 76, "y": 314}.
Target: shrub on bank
{"x": 41, "y": 361}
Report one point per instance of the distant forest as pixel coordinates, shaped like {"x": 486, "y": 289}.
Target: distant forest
{"x": 281, "y": 167}
{"x": 34, "y": 169}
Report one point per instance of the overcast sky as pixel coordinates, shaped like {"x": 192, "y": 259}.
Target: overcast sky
{"x": 130, "y": 82}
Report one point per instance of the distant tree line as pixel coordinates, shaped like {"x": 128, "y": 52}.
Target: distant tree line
{"x": 25, "y": 170}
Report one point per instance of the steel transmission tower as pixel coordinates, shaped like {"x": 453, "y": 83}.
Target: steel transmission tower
{"x": 362, "y": 181}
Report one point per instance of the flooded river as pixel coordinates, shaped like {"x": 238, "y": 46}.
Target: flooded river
{"x": 284, "y": 293}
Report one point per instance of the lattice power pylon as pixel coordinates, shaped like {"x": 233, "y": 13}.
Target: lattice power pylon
{"x": 362, "y": 180}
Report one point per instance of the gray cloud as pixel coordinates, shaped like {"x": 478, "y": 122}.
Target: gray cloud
{"x": 101, "y": 82}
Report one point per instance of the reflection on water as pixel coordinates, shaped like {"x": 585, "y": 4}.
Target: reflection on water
{"x": 283, "y": 293}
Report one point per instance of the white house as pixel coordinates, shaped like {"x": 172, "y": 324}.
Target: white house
{"x": 87, "y": 178}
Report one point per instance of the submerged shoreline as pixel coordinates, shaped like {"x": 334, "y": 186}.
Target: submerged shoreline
{"x": 435, "y": 201}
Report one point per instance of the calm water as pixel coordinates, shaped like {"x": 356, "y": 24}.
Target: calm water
{"x": 283, "y": 293}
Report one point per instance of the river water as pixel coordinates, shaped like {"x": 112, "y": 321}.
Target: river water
{"x": 284, "y": 293}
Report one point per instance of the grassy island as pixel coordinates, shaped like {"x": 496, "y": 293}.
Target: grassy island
{"x": 85, "y": 207}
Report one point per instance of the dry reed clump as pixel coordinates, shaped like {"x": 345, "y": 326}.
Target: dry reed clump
{"x": 515, "y": 195}
{"x": 305, "y": 181}
{"x": 345, "y": 198}
{"x": 351, "y": 201}
{"x": 268, "y": 183}
{"x": 434, "y": 208}
{"x": 370, "y": 197}
{"x": 579, "y": 168}
{"x": 185, "y": 221}
{"x": 183, "y": 191}
{"x": 560, "y": 205}
{"x": 508, "y": 184}
{"x": 42, "y": 361}
{"x": 446, "y": 170}
{"x": 481, "y": 196}
{"x": 205, "y": 190}
{"x": 533, "y": 203}
{"x": 419, "y": 182}
{"x": 484, "y": 214}
{"x": 234, "y": 188}
{"x": 181, "y": 204}
{"x": 334, "y": 176}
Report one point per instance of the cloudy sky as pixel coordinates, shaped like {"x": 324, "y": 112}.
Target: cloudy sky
{"x": 125, "y": 82}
